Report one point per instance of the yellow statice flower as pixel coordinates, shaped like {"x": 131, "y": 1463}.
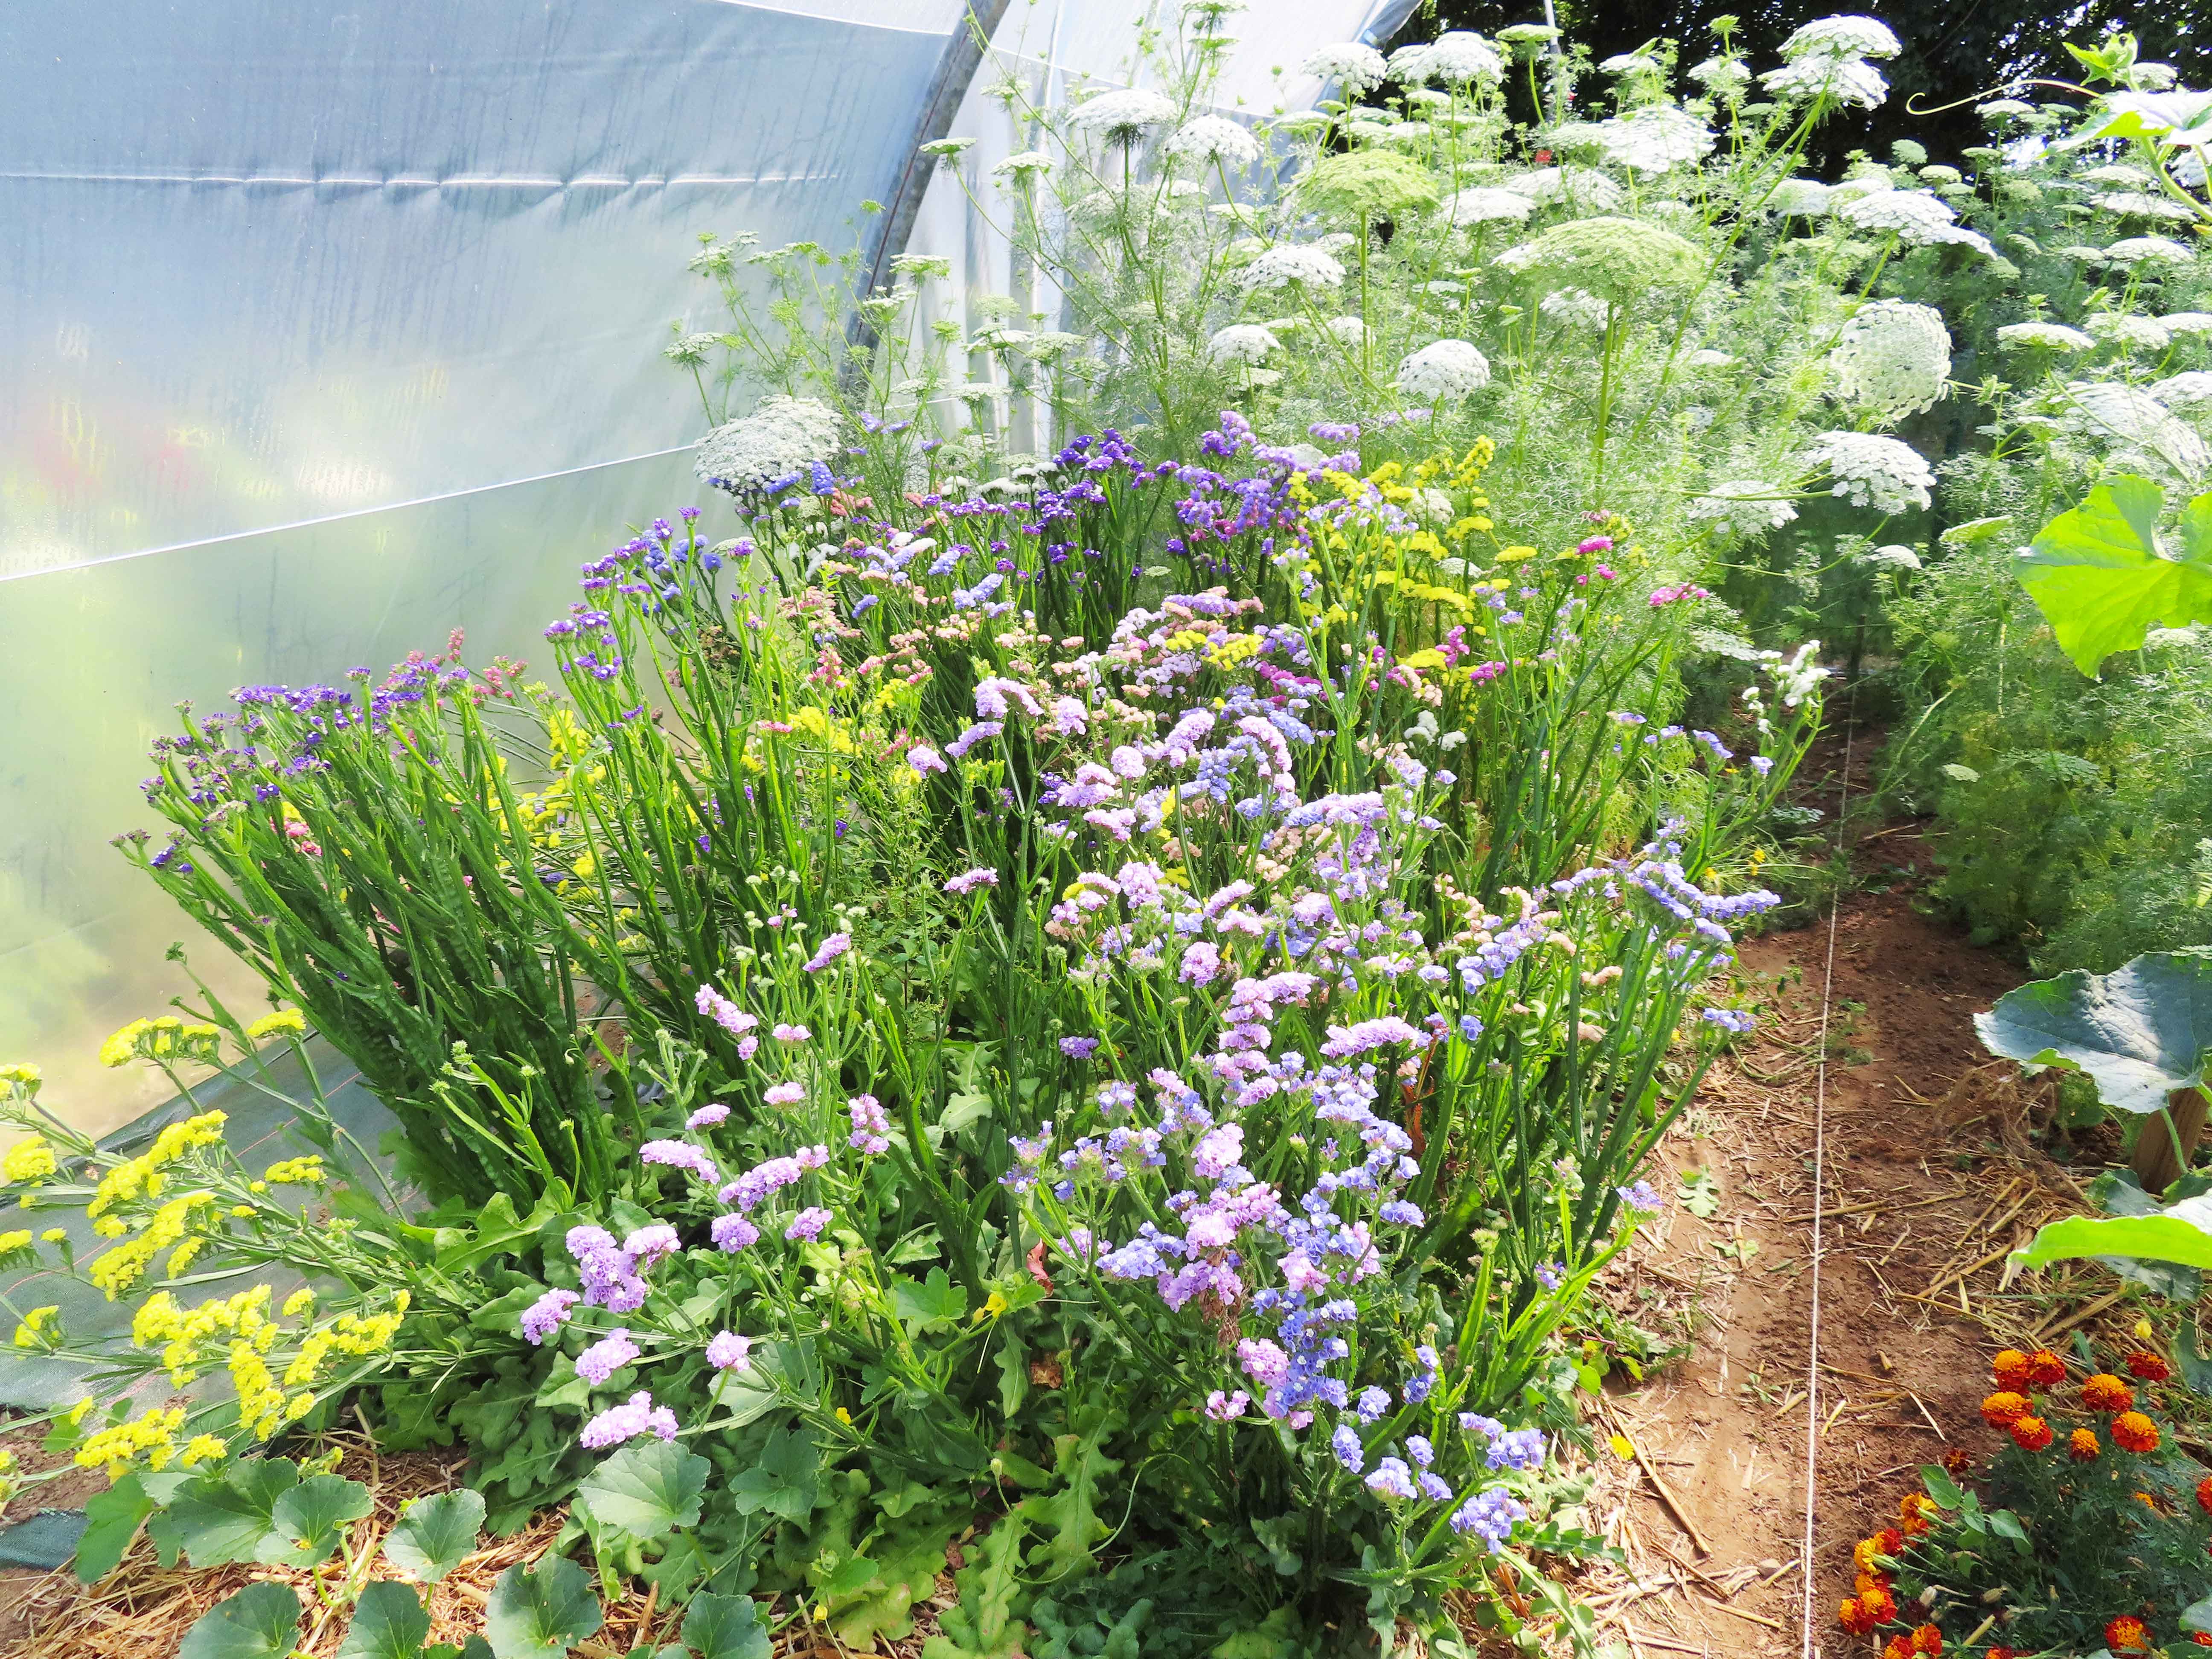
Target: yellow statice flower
{"x": 120, "y": 1048}
{"x": 260, "y": 1401}
{"x": 118, "y": 1270}
{"x": 40, "y": 1328}
{"x": 289, "y": 1020}
{"x": 299, "y": 1302}
{"x": 296, "y": 1172}
{"x": 21, "y": 1073}
{"x": 153, "y": 1436}
{"x": 30, "y": 1161}
{"x": 140, "y": 1176}
{"x": 202, "y": 1448}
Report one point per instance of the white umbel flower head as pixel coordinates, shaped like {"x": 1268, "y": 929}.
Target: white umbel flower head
{"x": 1850, "y": 81}
{"x": 2129, "y": 331}
{"x": 1483, "y": 206}
{"x": 1893, "y": 358}
{"x": 1577, "y": 307}
{"x": 2188, "y": 322}
{"x": 1915, "y": 215}
{"x": 1347, "y": 330}
{"x": 2141, "y": 205}
{"x": 1287, "y": 263}
{"x": 1454, "y": 57}
{"x": 1353, "y": 65}
{"x": 1586, "y": 187}
{"x": 1122, "y": 116}
{"x": 1744, "y": 507}
{"x": 2136, "y": 424}
{"x": 1805, "y": 198}
{"x": 1243, "y": 343}
{"x": 1871, "y": 470}
{"x": 2192, "y": 389}
{"x": 2047, "y": 337}
{"x": 1023, "y": 165}
{"x": 2134, "y": 250}
{"x": 1443, "y": 372}
{"x": 1723, "y": 77}
{"x": 1653, "y": 138}
{"x": 1834, "y": 40}
{"x": 781, "y": 438}
{"x": 1212, "y": 140}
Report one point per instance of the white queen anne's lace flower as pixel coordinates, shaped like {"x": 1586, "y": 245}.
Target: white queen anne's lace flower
{"x": 1243, "y": 343}
{"x": 2136, "y": 423}
{"x": 1482, "y": 205}
{"x": 1354, "y": 66}
{"x": 1576, "y": 307}
{"x": 2133, "y": 250}
{"x": 1348, "y": 330}
{"x": 1849, "y": 81}
{"x": 1214, "y": 139}
{"x": 2189, "y": 390}
{"x": 2141, "y": 205}
{"x": 1022, "y": 166}
{"x": 2188, "y": 322}
{"x": 1443, "y": 371}
{"x": 1915, "y": 215}
{"x": 1288, "y": 263}
{"x": 1723, "y": 77}
{"x": 2048, "y": 337}
{"x": 1586, "y": 187}
{"x": 782, "y": 437}
{"x": 1122, "y": 116}
{"x": 2129, "y": 331}
{"x": 1893, "y": 357}
{"x": 1456, "y": 57}
{"x": 1833, "y": 39}
{"x": 1653, "y": 138}
{"x": 1806, "y": 198}
{"x": 1871, "y": 470}
{"x": 1744, "y": 507}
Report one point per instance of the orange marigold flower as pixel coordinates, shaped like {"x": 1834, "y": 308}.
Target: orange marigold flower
{"x": 1852, "y": 1618}
{"x": 2004, "y": 1653}
{"x": 1928, "y": 1640}
{"x": 2135, "y": 1431}
{"x": 2105, "y": 1393}
{"x": 2200, "y": 1638}
{"x": 2033, "y": 1433}
{"x": 2000, "y": 1410}
{"x": 1879, "y": 1605}
{"x": 2205, "y": 1494}
{"x": 2147, "y": 1365}
{"x": 2012, "y": 1370}
{"x": 2127, "y": 1634}
{"x": 1897, "y": 1647}
{"x": 1865, "y": 1581}
{"x": 2046, "y": 1368}
{"x": 2081, "y": 1446}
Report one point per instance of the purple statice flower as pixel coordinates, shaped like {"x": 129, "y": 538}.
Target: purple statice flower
{"x": 1201, "y": 962}
{"x": 833, "y": 947}
{"x": 1373, "y": 1404}
{"x": 547, "y": 1315}
{"x": 723, "y": 1012}
{"x": 967, "y": 881}
{"x": 749, "y": 1189}
{"x": 1078, "y": 1047}
{"x": 1729, "y": 1019}
{"x": 1419, "y": 1449}
{"x": 651, "y": 1244}
{"x": 1344, "y": 1444}
{"x": 1510, "y": 1448}
{"x": 785, "y": 1094}
{"x": 609, "y": 1272}
{"x": 1434, "y": 1488}
{"x": 1399, "y": 1213}
{"x": 728, "y": 1352}
{"x": 1641, "y": 1197}
{"x": 1263, "y": 1361}
{"x": 1490, "y": 1515}
{"x": 1391, "y": 1479}
{"x": 606, "y": 1356}
{"x": 706, "y": 1118}
{"x": 872, "y": 1125}
{"x": 1226, "y": 1408}
{"x": 1762, "y": 764}
{"x": 636, "y": 1416}
{"x": 732, "y": 1233}
{"x": 786, "y": 1033}
{"x": 925, "y": 760}
{"x": 1218, "y": 1151}
{"x": 981, "y": 732}
{"x": 683, "y": 1155}
{"x": 1424, "y": 1381}
{"x": 1549, "y": 1274}
{"x": 808, "y": 1224}
{"x": 1469, "y": 1027}
{"x": 1368, "y": 1035}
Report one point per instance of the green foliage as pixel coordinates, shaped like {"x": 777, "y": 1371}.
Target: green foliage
{"x": 389, "y": 1622}
{"x": 644, "y": 1492}
{"x": 2101, "y": 575}
{"x": 725, "y": 1627}
{"x": 436, "y": 1535}
{"x": 2139, "y": 1034}
{"x": 985, "y": 1622}
{"x": 541, "y": 1611}
{"x": 257, "y": 1623}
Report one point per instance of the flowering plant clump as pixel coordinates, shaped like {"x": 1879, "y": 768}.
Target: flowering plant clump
{"x": 2089, "y": 1529}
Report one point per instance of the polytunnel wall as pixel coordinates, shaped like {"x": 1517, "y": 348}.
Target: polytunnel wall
{"x": 326, "y": 330}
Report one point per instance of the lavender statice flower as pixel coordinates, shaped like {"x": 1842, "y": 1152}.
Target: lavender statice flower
{"x": 1078, "y": 1047}
{"x": 1549, "y": 1274}
{"x": 785, "y": 1094}
{"x": 1344, "y": 1444}
{"x": 926, "y": 760}
{"x": 1516, "y": 1448}
{"x": 683, "y": 1155}
{"x": 1373, "y": 1404}
{"x": 609, "y": 1272}
{"x": 636, "y": 1416}
{"x": 1226, "y": 1408}
{"x": 547, "y": 1315}
{"x": 732, "y": 1233}
{"x": 723, "y": 1012}
{"x": 967, "y": 881}
{"x": 728, "y": 1352}
{"x": 607, "y": 1356}
{"x": 651, "y": 1244}
{"x": 1641, "y": 1197}
{"x": 706, "y": 1118}
{"x": 1419, "y": 1449}
{"x": 871, "y": 1126}
{"x": 749, "y": 1189}
{"x": 1391, "y": 1479}
{"x": 808, "y": 1224}
{"x": 833, "y": 947}
{"x": 1490, "y": 1515}
{"x": 1729, "y": 1019}
{"x": 786, "y": 1033}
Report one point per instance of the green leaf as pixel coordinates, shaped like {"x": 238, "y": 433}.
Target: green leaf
{"x": 2181, "y": 1233}
{"x": 2139, "y": 1033}
{"x": 645, "y": 1491}
{"x": 541, "y": 1613}
{"x": 935, "y": 1304}
{"x": 389, "y": 1622}
{"x": 725, "y": 1627}
{"x": 783, "y": 1482}
{"x": 218, "y": 1521}
{"x": 2101, "y": 579}
{"x": 985, "y": 1623}
{"x": 1941, "y": 1486}
{"x": 257, "y": 1623}
{"x": 2196, "y": 1368}
{"x": 1071, "y": 1514}
{"x": 111, "y": 1521}
{"x": 2197, "y": 1615}
{"x": 1701, "y": 1194}
{"x": 307, "y": 1521}
{"x": 436, "y": 1535}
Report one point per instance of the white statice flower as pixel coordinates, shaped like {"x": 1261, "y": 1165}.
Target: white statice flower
{"x": 2188, "y": 322}
{"x": 1723, "y": 77}
{"x": 1214, "y": 139}
{"x": 1456, "y": 57}
{"x": 2046, "y": 337}
{"x": 1122, "y": 116}
{"x": 1442, "y": 372}
{"x": 1350, "y": 64}
{"x": 1586, "y": 187}
{"x": 783, "y": 437}
{"x": 1916, "y": 215}
{"x": 2141, "y": 205}
{"x": 1653, "y": 138}
{"x": 1577, "y": 307}
{"x": 2190, "y": 390}
{"x": 1483, "y": 206}
{"x": 2134, "y": 250}
{"x": 1833, "y": 40}
{"x": 1850, "y": 81}
{"x": 1871, "y": 470}
{"x": 1744, "y": 507}
{"x": 2139, "y": 427}
{"x": 1023, "y": 165}
{"x": 1287, "y": 263}
{"x": 1893, "y": 357}
{"x": 1805, "y": 198}
{"x": 2129, "y": 331}
{"x": 1346, "y": 330}
{"x": 1242, "y": 342}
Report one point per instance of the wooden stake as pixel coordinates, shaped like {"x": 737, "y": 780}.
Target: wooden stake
{"x": 2163, "y": 1152}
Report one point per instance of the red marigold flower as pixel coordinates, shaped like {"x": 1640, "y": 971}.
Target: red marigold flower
{"x": 1956, "y": 1460}
{"x": 2034, "y": 1434}
{"x": 1928, "y": 1640}
{"x": 2200, "y": 1638}
{"x": 2127, "y": 1634}
{"x": 2147, "y": 1365}
{"x": 2105, "y": 1393}
{"x": 2205, "y": 1494}
{"x": 2046, "y": 1369}
{"x": 2081, "y": 1446}
{"x": 1879, "y": 1605}
{"x": 1890, "y": 1541}
{"x": 1865, "y": 1581}
{"x": 2004, "y": 1653}
{"x": 1852, "y": 1618}
{"x": 2012, "y": 1370}
{"x": 2136, "y": 1432}
{"x": 2000, "y": 1410}
{"x": 1897, "y": 1647}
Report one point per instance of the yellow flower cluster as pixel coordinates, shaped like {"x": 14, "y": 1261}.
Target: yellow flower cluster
{"x": 350, "y": 1336}
{"x": 306, "y": 1171}
{"x": 40, "y": 1327}
{"x": 140, "y": 1176}
{"x": 165, "y": 1038}
{"x": 11, "y": 1242}
{"x": 21, "y": 1073}
{"x": 28, "y": 1162}
{"x": 118, "y": 1269}
{"x": 153, "y": 1436}
{"x": 184, "y": 1334}
{"x": 289, "y": 1020}
{"x": 261, "y": 1403}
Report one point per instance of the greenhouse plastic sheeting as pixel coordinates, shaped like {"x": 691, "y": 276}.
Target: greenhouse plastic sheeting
{"x": 326, "y": 329}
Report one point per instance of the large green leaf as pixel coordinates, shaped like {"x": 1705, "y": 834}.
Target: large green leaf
{"x": 2139, "y": 1033}
{"x": 1069, "y": 1518}
{"x": 111, "y": 1521}
{"x": 645, "y": 1491}
{"x": 2101, "y": 579}
{"x": 541, "y": 1612}
{"x": 934, "y": 1304}
{"x": 783, "y": 1482}
{"x": 2181, "y": 1233}
{"x": 985, "y": 1622}
{"x": 257, "y": 1623}
{"x": 436, "y": 1535}
{"x": 306, "y": 1521}
{"x": 389, "y": 1622}
{"x": 218, "y": 1519}
{"x": 725, "y": 1627}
